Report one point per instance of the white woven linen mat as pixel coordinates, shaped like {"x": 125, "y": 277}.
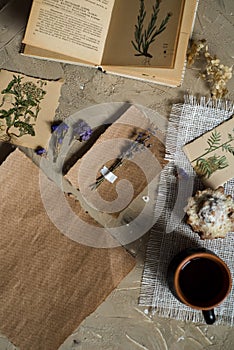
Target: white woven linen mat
{"x": 171, "y": 234}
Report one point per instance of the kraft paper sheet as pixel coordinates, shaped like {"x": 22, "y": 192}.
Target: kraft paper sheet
{"x": 48, "y": 283}
{"x": 117, "y": 137}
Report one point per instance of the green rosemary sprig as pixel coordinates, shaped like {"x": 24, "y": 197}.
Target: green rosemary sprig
{"x": 145, "y": 37}
{"x": 25, "y": 106}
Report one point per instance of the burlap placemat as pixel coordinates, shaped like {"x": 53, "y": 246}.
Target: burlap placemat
{"x": 116, "y": 138}
{"x": 48, "y": 283}
{"x": 171, "y": 234}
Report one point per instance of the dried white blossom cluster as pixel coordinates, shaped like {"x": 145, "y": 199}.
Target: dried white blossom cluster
{"x": 215, "y": 73}
{"x": 194, "y": 50}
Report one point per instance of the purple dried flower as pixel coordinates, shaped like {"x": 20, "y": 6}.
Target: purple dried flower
{"x": 40, "y": 151}
{"x": 62, "y": 127}
{"x": 181, "y": 174}
{"x": 139, "y": 136}
{"x": 86, "y": 134}
{"x": 81, "y": 130}
{"x": 54, "y": 127}
{"x": 59, "y": 125}
{"x": 60, "y": 140}
{"x": 60, "y": 132}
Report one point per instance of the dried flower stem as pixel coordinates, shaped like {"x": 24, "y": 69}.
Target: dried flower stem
{"x": 138, "y": 145}
{"x": 112, "y": 168}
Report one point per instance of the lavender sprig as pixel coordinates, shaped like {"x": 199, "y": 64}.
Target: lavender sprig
{"x": 140, "y": 143}
{"x": 40, "y": 151}
{"x": 59, "y": 132}
{"x": 80, "y": 131}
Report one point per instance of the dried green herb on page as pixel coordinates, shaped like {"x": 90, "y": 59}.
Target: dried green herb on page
{"x": 212, "y": 154}
{"x": 206, "y": 166}
{"x": 145, "y": 35}
{"x": 19, "y": 107}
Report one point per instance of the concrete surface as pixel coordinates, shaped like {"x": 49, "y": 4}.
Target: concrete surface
{"x": 119, "y": 323}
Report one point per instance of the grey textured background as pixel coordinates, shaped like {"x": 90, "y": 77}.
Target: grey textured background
{"x": 119, "y": 323}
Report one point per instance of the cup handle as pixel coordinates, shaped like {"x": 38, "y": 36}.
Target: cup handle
{"x": 209, "y": 316}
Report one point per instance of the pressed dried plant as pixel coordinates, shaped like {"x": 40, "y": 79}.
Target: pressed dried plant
{"x": 144, "y": 37}
{"x": 24, "y": 99}
{"x": 194, "y": 50}
{"x": 207, "y": 166}
{"x": 214, "y": 72}
{"x": 139, "y": 144}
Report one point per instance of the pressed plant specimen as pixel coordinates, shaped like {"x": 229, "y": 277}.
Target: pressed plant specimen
{"x": 139, "y": 144}
{"x": 79, "y": 131}
{"x": 206, "y": 166}
{"x": 146, "y": 35}
{"x": 24, "y": 99}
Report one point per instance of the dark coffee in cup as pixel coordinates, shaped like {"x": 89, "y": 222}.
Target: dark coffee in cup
{"x": 202, "y": 282}
{"x": 200, "y": 279}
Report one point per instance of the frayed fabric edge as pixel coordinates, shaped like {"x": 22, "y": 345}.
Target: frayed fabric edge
{"x": 194, "y": 316}
{"x": 203, "y": 101}
{"x": 147, "y": 297}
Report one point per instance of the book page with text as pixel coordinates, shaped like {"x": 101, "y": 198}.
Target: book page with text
{"x": 77, "y": 28}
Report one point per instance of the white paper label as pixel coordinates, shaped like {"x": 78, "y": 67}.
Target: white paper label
{"x": 108, "y": 175}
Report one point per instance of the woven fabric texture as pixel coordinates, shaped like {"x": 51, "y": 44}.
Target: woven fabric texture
{"x": 171, "y": 234}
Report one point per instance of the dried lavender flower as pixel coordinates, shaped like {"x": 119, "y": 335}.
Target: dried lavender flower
{"x": 40, "y": 151}
{"x": 59, "y": 132}
{"x": 81, "y": 131}
{"x": 55, "y": 125}
{"x": 139, "y": 144}
{"x": 62, "y": 128}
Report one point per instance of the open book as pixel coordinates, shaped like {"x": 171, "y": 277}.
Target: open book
{"x": 145, "y": 39}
